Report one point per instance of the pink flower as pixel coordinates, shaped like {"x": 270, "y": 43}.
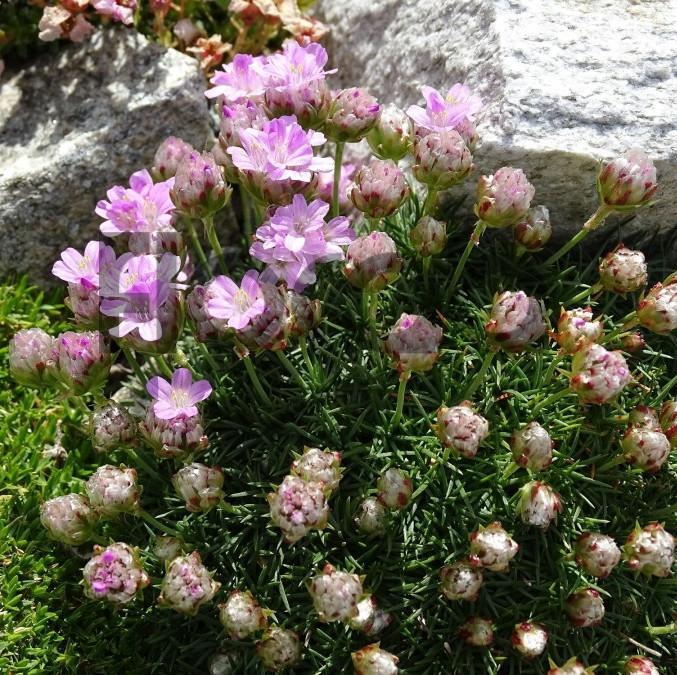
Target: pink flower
{"x": 122, "y": 10}
{"x": 241, "y": 80}
{"x": 295, "y": 66}
{"x": 177, "y": 399}
{"x": 77, "y": 268}
{"x": 237, "y": 305}
{"x": 444, "y": 114}
{"x": 59, "y": 22}
{"x": 143, "y": 207}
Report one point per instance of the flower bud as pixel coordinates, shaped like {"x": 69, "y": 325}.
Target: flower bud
{"x": 111, "y": 426}
{"x": 576, "y": 328}
{"x": 304, "y": 314}
{"x": 477, "y": 632}
{"x": 114, "y": 574}
{"x": 310, "y": 104}
{"x": 335, "y": 594}
{"x": 352, "y": 114}
{"x": 180, "y": 438}
{"x": 171, "y": 153}
{"x": 187, "y": 584}
{"x": 268, "y": 330}
{"x": 529, "y": 639}
{"x": 278, "y": 648}
{"x": 429, "y": 236}
{"x": 640, "y": 665}
{"x": 585, "y": 608}
{"x": 633, "y": 343}
{"x": 441, "y": 159}
{"x": 223, "y": 664}
{"x": 68, "y": 519}
{"x": 83, "y": 360}
{"x": 199, "y": 485}
{"x": 380, "y": 189}
{"x": 297, "y": 507}
{"x": 372, "y": 262}
{"x": 319, "y": 466}
{"x": 645, "y": 448}
{"x": 413, "y": 343}
{"x": 598, "y": 376}
{"x": 372, "y": 516}
{"x": 461, "y": 581}
{"x": 370, "y": 619}
{"x": 461, "y": 429}
{"x": 392, "y": 134}
{"x": 650, "y": 550}
{"x": 623, "y": 270}
{"x": 533, "y": 231}
{"x": 572, "y": 667}
{"x": 206, "y": 326}
{"x": 627, "y": 181}
{"x": 242, "y": 616}
{"x": 657, "y": 311}
{"x": 199, "y": 189}
{"x": 492, "y": 547}
{"x": 597, "y": 554}
{"x": 32, "y": 357}
{"x": 668, "y": 421}
{"x": 516, "y": 320}
{"x": 85, "y": 304}
{"x": 645, "y": 417}
{"x": 371, "y": 660}
{"x": 532, "y": 447}
{"x": 113, "y": 490}
{"x": 394, "y": 489}
{"x": 538, "y": 505}
{"x": 503, "y": 198}
{"x": 167, "y": 548}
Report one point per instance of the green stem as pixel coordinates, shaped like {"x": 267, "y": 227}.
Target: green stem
{"x": 208, "y": 358}
{"x": 338, "y": 163}
{"x": 551, "y": 369}
{"x": 404, "y": 378}
{"x": 154, "y": 522}
{"x": 429, "y": 201}
{"x": 131, "y": 360}
{"x": 303, "y": 344}
{"x": 214, "y": 242}
{"x": 595, "y": 220}
{"x": 510, "y": 470}
{"x": 251, "y": 371}
{"x": 663, "y": 630}
{"x": 472, "y": 242}
{"x": 479, "y": 375}
{"x": 372, "y": 311}
{"x": 291, "y": 369}
{"x": 164, "y": 366}
{"x": 628, "y": 322}
{"x": 551, "y": 399}
{"x": 198, "y": 246}
{"x": 595, "y": 288}
{"x": 616, "y": 461}
{"x": 426, "y": 273}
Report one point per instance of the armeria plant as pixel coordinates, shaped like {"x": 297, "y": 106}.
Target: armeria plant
{"x": 495, "y": 468}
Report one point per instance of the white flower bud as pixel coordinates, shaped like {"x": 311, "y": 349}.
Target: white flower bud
{"x": 597, "y": 554}
{"x": 650, "y": 550}
{"x": 461, "y": 429}
{"x": 187, "y": 584}
{"x": 394, "y": 489}
{"x": 113, "y": 490}
{"x": 371, "y": 660}
{"x": 335, "y": 594}
{"x": 532, "y": 447}
{"x": 585, "y": 608}
{"x": 241, "y": 615}
{"x": 492, "y": 547}
{"x": 461, "y": 581}
{"x": 529, "y": 639}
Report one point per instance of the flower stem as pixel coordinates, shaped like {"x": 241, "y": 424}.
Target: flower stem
{"x": 134, "y": 364}
{"x": 429, "y": 201}
{"x": 154, "y": 522}
{"x": 427, "y": 260}
{"x": 595, "y": 288}
{"x": 628, "y": 322}
{"x": 663, "y": 630}
{"x": 164, "y": 366}
{"x": 338, "y": 163}
{"x": 472, "y": 242}
{"x": 372, "y": 311}
{"x": 479, "y": 375}
{"x": 291, "y": 369}
{"x": 208, "y": 358}
{"x": 303, "y": 344}
{"x": 592, "y": 223}
{"x": 214, "y": 242}
{"x": 251, "y": 371}
{"x": 198, "y": 246}
{"x": 509, "y": 470}
{"x": 404, "y": 378}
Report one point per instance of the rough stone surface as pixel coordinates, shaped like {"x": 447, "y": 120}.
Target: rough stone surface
{"x": 74, "y": 124}
{"x": 567, "y": 82}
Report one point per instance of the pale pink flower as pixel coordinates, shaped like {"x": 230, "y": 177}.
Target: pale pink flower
{"x": 445, "y": 113}
{"x": 179, "y": 397}
{"x": 122, "y": 11}
{"x": 83, "y": 268}
{"x": 237, "y": 305}
{"x": 244, "y": 78}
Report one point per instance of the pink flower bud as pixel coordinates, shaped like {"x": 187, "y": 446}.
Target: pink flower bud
{"x": 304, "y": 314}
{"x": 83, "y": 360}
{"x": 205, "y": 325}
{"x": 598, "y": 376}
{"x": 532, "y": 447}
{"x": 187, "y": 585}
{"x": 461, "y": 581}
{"x": 413, "y": 343}
{"x": 627, "y": 181}
{"x": 640, "y": 665}
{"x": 492, "y": 547}
{"x": 394, "y": 489}
{"x": 171, "y": 153}
{"x": 392, "y": 134}
{"x": 529, "y": 639}
{"x": 353, "y": 113}
{"x": 429, "y": 236}
{"x": 114, "y": 574}
{"x": 180, "y": 437}
{"x": 441, "y": 159}
{"x": 85, "y": 304}
{"x": 335, "y": 594}
{"x": 623, "y": 270}
{"x": 576, "y": 328}
{"x": 242, "y": 616}
{"x": 372, "y": 262}
{"x": 650, "y": 550}
{"x": 199, "y": 485}
{"x": 111, "y": 427}
{"x": 319, "y": 466}
{"x": 646, "y": 448}
{"x": 668, "y": 421}
{"x": 310, "y": 103}
{"x": 503, "y": 198}
{"x": 372, "y": 660}
{"x": 113, "y": 490}
{"x": 657, "y": 311}
{"x": 644, "y": 416}
{"x": 380, "y": 189}
{"x": 370, "y": 619}
{"x": 372, "y": 516}
{"x": 278, "y": 649}
{"x": 516, "y": 320}
{"x": 32, "y": 357}
{"x": 533, "y": 232}
{"x": 199, "y": 189}
{"x": 298, "y": 507}
{"x": 538, "y": 505}
{"x": 585, "y": 608}
{"x": 461, "y": 429}
{"x": 597, "y": 554}
{"x": 572, "y": 667}
{"x": 186, "y": 31}
{"x": 68, "y": 519}
{"x": 477, "y": 632}
{"x": 269, "y": 329}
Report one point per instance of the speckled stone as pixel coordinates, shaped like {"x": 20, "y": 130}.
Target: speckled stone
{"x": 567, "y": 82}
{"x": 74, "y": 124}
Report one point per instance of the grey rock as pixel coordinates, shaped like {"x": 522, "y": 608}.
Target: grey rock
{"x": 566, "y": 83}
{"x": 78, "y": 122}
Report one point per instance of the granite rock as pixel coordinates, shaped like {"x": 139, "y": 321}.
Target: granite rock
{"x": 74, "y": 124}
{"x": 566, "y": 82}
